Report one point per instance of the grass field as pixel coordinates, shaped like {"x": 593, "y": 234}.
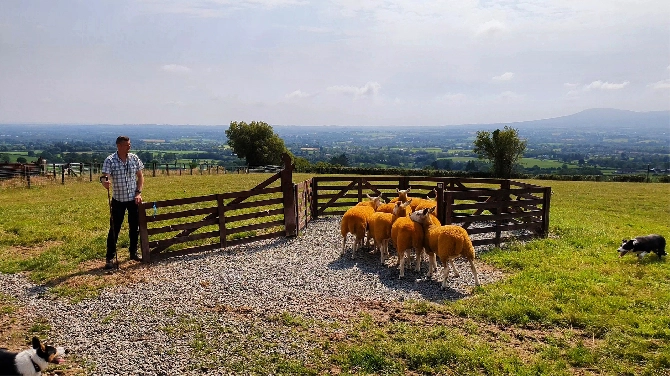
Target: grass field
{"x": 568, "y": 303}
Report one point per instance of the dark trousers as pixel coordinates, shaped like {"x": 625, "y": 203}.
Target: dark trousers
{"x": 118, "y": 213}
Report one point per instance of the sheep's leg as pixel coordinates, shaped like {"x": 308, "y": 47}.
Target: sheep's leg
{"x": 419, "y": 257}
{"x": 344, "y": 244}
{"x": 474, "y": 272}
{"x": 383, "y": 250}
{"x": 453, "y": 267}
{"x": 401, "y": 263}
{"x": 445, "y": 275}
{"x": 356, "y": 242}
{"x": 432, "y": 264}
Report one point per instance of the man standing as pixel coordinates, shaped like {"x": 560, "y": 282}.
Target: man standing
{"x": 127, "y": 180}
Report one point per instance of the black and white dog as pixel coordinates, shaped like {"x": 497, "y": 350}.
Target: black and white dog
{"x": 30, "y": 362}
{"x": 643, "y": 245}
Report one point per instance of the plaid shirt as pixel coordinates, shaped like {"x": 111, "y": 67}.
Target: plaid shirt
{"x": 123, "y": 174}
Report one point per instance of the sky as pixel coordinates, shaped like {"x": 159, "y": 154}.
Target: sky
{"x": 329, "y": 62}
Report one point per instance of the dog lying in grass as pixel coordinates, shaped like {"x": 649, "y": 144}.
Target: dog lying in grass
{"x": 30, "y": 362}
{"x": 643, "y": 245}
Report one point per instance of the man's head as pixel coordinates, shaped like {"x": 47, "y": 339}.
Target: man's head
{"x": 123, "y": 144}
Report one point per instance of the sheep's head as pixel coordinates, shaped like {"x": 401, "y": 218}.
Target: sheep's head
{"x": 376, "y": 201}
{"x": 402, "y": 194}
{"x": 400, "y": 209}
{"x": 422, "y": 216}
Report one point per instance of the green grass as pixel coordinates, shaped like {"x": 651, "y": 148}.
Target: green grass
{"x": 568, "y": 303}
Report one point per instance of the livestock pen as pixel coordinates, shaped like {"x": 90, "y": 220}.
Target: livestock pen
{"x": 505, "y": 210}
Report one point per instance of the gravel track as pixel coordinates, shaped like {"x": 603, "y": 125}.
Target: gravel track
{"x": 132, "y": 329}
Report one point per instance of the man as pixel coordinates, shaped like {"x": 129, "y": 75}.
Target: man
{"x": 127, "y": 180}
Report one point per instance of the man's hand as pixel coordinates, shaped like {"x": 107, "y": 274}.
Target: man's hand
{"x": 138, "y": 198}
{"x": 104, "y": 180}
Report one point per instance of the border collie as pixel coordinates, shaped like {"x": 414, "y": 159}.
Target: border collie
{"x": 30, "y": 362}
{"x": 643, "y": 245}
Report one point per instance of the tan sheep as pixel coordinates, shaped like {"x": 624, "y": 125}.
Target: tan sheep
{"x": 402, "y": 195}
{"x": 355, "y": 222}
{"x": 380, "y": 224}
{"x": 447, "y": 242}
{"x": 407, "y": 234}
{"x": 424, "y": 203}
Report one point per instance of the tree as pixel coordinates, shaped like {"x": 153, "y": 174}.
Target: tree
{"x": 256, "y": 142}
{"x": 502, "y": 148}
{"x": 340, "y": 160}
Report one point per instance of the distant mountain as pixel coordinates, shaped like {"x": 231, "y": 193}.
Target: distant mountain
{"x": 598, "y": 118}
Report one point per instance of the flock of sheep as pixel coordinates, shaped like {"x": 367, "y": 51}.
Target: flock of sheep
{"x": 410, "y": 223}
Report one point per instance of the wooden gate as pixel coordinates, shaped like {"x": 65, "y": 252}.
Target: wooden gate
{"x": 197, "y": 224}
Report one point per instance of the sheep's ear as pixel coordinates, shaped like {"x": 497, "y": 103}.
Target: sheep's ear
{"x": 368, "y": 196}
{"x": 431, "y": 210}
{"x": 408, "y": 189}
{"x": 397, "y": 190}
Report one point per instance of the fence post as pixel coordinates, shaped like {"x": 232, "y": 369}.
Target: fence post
{"x": 154, "y": 168}
{"x": 90, "y": 173}
{"x": 222, "y": 220}
{"x": 144, "y": 235}
{"x": 315, "y": 198}
{"x": 167, "y": 169}
{"x": 439, "y": 198}
{"x": 545, "y": 209}
{"x": 28, "y": 179}
{"x": 289, "y": 200}
{"x": 54, "y": 172}
{"x": 448, "y": 207}
{"x": 360, "y": 189}
{"x": 62, "y": 173}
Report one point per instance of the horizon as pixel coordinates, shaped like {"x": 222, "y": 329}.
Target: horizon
{"x": 297, "y": 62}
{"x": 342, "y": 125}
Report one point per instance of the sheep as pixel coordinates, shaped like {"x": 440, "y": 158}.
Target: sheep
{"x": 407, "y": 234}
{"x": 380, "y": 224}
{"x": 446, "y": 242}
{"x": 402, "y": 195}
{"x": 355, "y": 221}
{"x": 424, "y": 203}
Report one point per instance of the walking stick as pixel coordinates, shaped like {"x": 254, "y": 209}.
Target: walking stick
{"x": 111, "y": 224}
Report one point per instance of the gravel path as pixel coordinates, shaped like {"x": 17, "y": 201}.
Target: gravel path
{"x": 134, "y": 329}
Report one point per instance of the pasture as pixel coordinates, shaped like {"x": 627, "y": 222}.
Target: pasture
{"x": 567, "y": 304}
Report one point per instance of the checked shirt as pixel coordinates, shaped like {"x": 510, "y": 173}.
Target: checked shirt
{"x": 123, "y": 174}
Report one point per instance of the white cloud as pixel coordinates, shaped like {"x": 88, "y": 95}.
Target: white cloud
{"x": 452, "y": 98}
{"x": 510, "y": 96}
{"x": 297, "y": 94}
{"x": 663, "y": 84}
{"x": 491, "y": 29}
{"x": 370, "y": 89}
{"x": 507, "y": 76}
{"x": 212, "y": 8}
{"x": 570, "y": 85}
{"x": 175, "y": 68}
{"x": 606, "y": 85}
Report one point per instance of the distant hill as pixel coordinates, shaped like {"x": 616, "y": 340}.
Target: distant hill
{"x": 597, "y": 118}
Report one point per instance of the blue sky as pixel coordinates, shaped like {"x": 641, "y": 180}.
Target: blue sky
{"x": 345, "y": 62}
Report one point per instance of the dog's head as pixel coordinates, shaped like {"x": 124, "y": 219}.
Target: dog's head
{"x": 627, "y": 245}
{"x": 49, "y": 353}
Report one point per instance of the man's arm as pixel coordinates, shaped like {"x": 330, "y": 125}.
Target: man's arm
{"x": 140, "y": 185}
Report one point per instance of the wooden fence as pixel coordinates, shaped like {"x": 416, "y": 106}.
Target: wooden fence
{"x": 497, "y": 206}
{"x": 278, "y": 208}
